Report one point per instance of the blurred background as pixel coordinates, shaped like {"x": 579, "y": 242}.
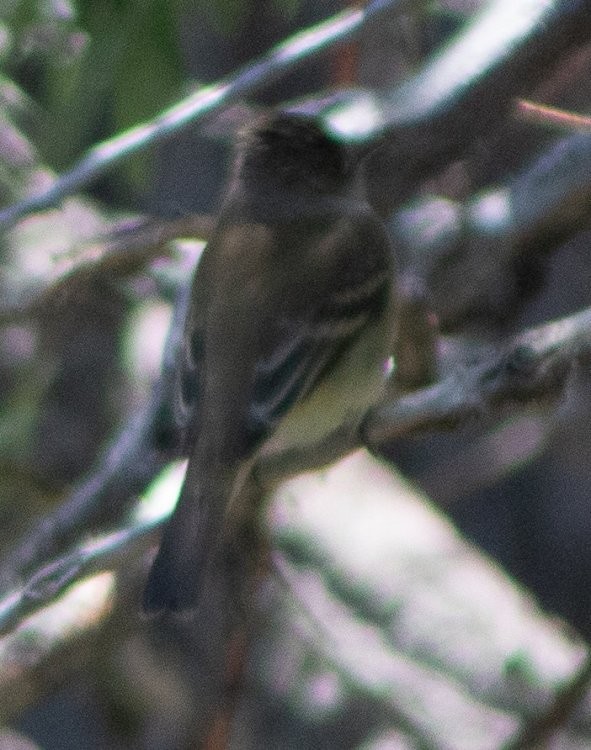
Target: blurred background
{"x": 81, "y": 339}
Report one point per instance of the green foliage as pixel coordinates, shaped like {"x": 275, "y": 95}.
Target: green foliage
{"x": 95, "y": 68}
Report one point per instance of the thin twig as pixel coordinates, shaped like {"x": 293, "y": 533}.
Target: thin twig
{"x": 52, "y": 580}
{"x": 542, "y": 114}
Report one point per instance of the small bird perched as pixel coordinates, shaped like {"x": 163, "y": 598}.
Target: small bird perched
{"x": 288, "y": 333}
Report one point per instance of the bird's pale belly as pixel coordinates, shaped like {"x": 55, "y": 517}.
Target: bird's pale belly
{"x": 344, "y": 396}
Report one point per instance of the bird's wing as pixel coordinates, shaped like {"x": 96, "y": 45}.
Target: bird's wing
{"x": 345, "y": 285}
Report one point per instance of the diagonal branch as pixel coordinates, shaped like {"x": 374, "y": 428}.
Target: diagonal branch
{"x": 51, "y": 580}
{"x": 280, "y": 59}
{"x": 533, "y": 366}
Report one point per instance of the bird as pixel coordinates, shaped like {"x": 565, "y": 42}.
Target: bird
{"x": 288, "y": 335}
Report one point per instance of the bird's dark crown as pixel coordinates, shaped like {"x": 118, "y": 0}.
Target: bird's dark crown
{"x": 294, "y": 148}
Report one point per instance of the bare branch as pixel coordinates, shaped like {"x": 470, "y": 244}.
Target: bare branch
{"x": 459, "y": 251}
{"x": 531, "y": 367}
{"x": 413, "y": 673}
{"x": 420, "y": 696}
{"x": 52, "y": 580}
{"x": 123, "y": 251}
{"x": 407, "y": 598}
{"x": 282, "y": 58}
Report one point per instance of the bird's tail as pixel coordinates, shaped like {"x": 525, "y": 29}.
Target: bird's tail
{"x": 191, "y": 557}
